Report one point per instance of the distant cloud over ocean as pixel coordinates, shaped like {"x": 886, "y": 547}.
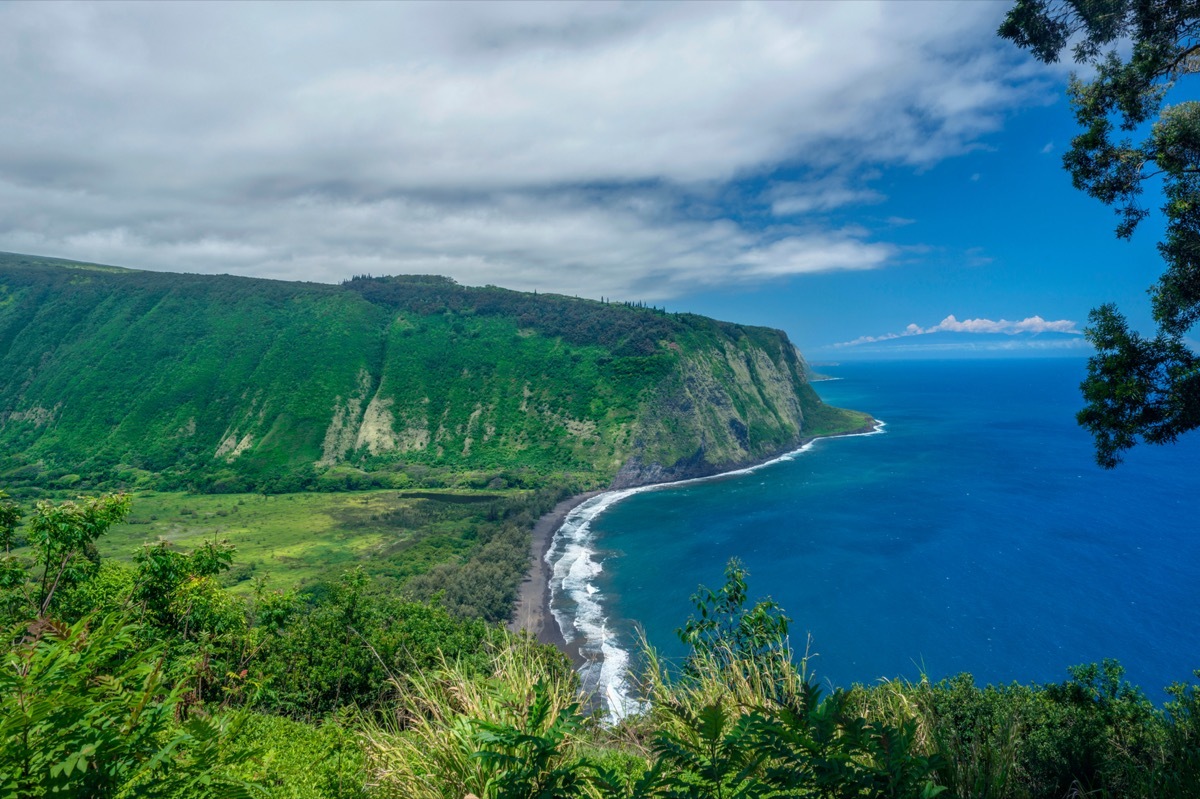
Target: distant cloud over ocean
{"x": 1064, "y": 332}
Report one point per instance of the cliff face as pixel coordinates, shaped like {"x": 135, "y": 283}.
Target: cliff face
{"x": 722, "y": 406}
{"x": 225, "y": 383}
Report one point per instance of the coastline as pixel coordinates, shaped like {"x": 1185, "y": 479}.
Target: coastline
{"x": 533, "y": 611}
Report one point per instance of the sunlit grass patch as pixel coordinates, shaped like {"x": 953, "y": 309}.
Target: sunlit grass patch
{"x": 292, "y": 539}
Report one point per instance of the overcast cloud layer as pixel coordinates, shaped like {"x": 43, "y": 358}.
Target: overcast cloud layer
{"x": 575, "y": 148}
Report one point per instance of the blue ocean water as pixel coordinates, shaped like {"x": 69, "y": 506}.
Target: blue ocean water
{"x": 975, "y": 534}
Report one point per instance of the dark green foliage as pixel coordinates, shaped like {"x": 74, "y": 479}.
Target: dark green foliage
{"x": 627, "y": 331}
{"x": 483, "y": 587}
{"x": 12, "y": 571}
{"x": 161, "y": 572}
{"x": 1136, "y": 387}
{"x": 88, "y": 711}
{"x": 528, "y": 758}
{"x": 978, "y": 733}
{"x": 1110, "y": 734}
{"x": 717, "y": 757}
{"x": 222, "y": 384}
{"x": 138, "y": 703}
{"x": 821, "y": 747}
{"x": 106, "y": 592}
{"x": 785, "y": 740}
{"x": 166, "y": 684}
{"x": 62, "y": 538}
{"x": 338, "y": 648}
{"x": 344, "y": 649}
{"x": 468, "y": 553}
{"x": 791, "y": 741}
{"x": 1178, "y": 773}
{"x": 1093, "y": 735}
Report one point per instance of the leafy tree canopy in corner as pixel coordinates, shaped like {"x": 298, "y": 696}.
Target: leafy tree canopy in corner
{"x": 1136, "y": 386}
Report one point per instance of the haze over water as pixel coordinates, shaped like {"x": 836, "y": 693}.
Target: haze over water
{"x": 976, "y": 534}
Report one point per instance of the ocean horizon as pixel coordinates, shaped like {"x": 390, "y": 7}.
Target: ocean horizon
{"x": 973, "y": 534}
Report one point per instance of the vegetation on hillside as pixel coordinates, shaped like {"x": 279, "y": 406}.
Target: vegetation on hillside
{"x": 120, "y": 378}
{"x": 151, "y": 679}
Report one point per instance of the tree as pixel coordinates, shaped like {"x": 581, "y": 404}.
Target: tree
{"x": 1147, "y": 388}
{"x": 62, "y": 538}
{"x": 730, "y": 632}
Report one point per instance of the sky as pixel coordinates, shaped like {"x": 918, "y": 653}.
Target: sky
{"x": 871, "y": 177}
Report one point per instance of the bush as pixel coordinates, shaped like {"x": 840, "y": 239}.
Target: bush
{"x": 86, "y": 710}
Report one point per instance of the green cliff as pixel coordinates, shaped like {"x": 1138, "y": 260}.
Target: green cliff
{"x": 228, "y": 383}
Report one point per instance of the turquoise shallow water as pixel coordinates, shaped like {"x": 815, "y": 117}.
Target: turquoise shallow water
{"x": 975, "y": 534}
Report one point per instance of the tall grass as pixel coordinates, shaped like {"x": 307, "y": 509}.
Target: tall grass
{"x": 979, "y": 759}
{"x": 426, "y": 748}
{"x": 719, "y": 675}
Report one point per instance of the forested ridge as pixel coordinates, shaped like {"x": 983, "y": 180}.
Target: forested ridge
{"x": 119, "y": 378}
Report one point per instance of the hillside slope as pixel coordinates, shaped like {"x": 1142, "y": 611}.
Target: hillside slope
{"x": 228, "y": 383}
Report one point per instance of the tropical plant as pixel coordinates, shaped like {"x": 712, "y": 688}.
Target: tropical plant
{"x": 716, "y": 755}
{"x": 427, "y": 747}
{"x": 86, "y": 710}
{"x": 726, "y": 629}
{"x": 527, "y": 758}
{"x": 743, "y": 719}
{"x": 63, "y": 539}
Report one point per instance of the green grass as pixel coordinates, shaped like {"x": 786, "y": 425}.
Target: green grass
{"x": 291, "y": 540}
{"x": 825, "y": 420}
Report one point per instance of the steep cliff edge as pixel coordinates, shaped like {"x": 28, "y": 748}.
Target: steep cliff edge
{"x": 223, "y": 383}
{"x": 728, "y": 407}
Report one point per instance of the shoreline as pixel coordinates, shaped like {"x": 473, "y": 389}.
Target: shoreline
{"x": 532, "y": 612}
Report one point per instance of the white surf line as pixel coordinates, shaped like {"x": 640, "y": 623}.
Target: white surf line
{"x": 572, "y": 569}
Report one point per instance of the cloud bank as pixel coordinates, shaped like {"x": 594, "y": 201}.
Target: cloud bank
{"x": 566, "y": 147}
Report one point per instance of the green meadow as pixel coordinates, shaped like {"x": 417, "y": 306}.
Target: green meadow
{"x": 295, "y": 540}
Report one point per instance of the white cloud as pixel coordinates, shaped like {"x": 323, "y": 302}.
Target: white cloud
{"x": 821, "y": 194}
{"x": 1048, "y": 148}
{"x": 566, "y": 242}
{"x": 182, "y": 135}
{"x": 985, "y": 345}
{"x": 1030, "y": 325}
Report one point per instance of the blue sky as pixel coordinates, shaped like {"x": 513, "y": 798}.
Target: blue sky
{"x": 997, "y": 233}
{"x": 838, "y": 170}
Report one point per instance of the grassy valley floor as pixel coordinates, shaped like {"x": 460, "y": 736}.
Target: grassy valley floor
{"x": 411, "y": 540}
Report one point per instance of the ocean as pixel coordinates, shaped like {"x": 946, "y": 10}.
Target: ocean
{"x": 974, "y": 533}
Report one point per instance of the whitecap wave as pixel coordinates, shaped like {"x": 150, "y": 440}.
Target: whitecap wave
{"x": 576, "y": 604}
